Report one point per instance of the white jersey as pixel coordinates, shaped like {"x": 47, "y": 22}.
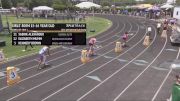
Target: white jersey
{"x": 149, "y": 29}
{"x": 159, "y": 25}
{"x": 43, "y": 50}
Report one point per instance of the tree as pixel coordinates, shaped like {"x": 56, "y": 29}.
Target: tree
{"x": 58, "y": 5}
{"x": 155, "y": 1}
{"x": 6, "y": 4}
{"x": 105, "y": 3}
{"x": 125, "y": 2}
{"x": 178, "y": 2}
{"x": 62, "y": 4}
{"x": 26, "y": 4}
{"x": 49, "y": 2}
{"x": 34, "y": 3}
{"x": 14, "y": 3}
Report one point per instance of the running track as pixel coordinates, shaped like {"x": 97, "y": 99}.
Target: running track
{"x": 133, "y": 75}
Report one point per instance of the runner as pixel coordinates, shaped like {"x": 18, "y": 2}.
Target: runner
{"x": 149, "y": 32}
{"x": 42, "y": 56}
{"x": 125, "y": 37}
{"x": 158, "y": 27}
{"x": 92, "y": 42}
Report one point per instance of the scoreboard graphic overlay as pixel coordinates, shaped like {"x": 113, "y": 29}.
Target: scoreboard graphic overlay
{"x": 49, "y": 34}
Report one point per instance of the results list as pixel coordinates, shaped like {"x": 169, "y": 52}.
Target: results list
{"x": 49, "y": 34}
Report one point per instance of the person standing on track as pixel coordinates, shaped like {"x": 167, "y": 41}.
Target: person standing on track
{"x": 92, "y": 42}
{"x": 158, "y": 27}
{"x": 149, "y": 32}
{"x": 42, "y": 56}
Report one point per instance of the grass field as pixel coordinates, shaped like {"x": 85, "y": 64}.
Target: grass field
{"x": 12, "y": 52}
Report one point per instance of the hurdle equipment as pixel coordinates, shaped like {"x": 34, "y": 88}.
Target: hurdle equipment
{"x": 146, "y": 41}
{"x": 12, "y": 76}
{"x": 118, "y": 47}
{"x": 84, "y": 56}
{"x": 164, "y": 34}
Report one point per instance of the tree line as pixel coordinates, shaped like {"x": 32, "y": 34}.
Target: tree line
{"x": 64, "y": 4}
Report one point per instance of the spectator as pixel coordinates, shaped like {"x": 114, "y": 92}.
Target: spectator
{"x": 178, "y": 79}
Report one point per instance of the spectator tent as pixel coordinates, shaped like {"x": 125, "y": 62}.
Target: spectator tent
{"x": 43, "y": 11}
{"x": 87, "y": 5}
{"x": 167, "y": 6}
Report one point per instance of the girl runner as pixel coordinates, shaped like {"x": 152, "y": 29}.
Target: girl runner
{"x": 92, "y": 42}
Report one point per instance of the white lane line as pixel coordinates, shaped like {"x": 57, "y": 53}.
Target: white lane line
{"x": 116, "y": 72}
{"x": 21, "y": 57}
{"x": 57, "y": 65}
{"x": 172, "y": 50}
{"x": 91, "y": 71}
{"x": 47, "y": 61}
{"x": 161, "y": 69}
{"x": 35, "y": 59}
{"x": 63, "y": 73}
{"x": 59, "y": 52}
{"x": 124, "y": 25}
{"x": 157, "y": 92}
{"x": 141, "y": 72}
{"x": 37, "y": 54}
{"x": 73, "y": 47}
